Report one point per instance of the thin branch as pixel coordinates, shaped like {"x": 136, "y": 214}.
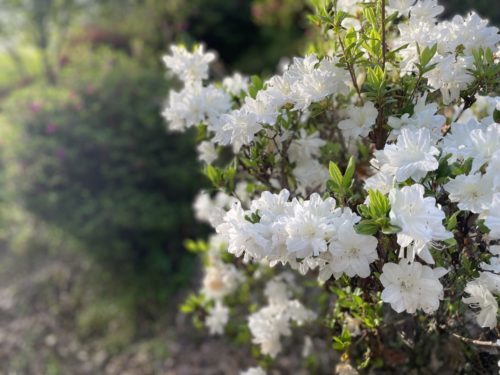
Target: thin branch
{"x": 489, "y": 344}
{"x": 383, "y": 36}
{"x": 352, "y": 73}
{"x": 468, "y": 102}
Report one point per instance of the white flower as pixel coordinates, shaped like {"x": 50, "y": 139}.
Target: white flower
{"x": 319, "y": 83}
{"x": 210, "y": 210}
{"x": 237, "y": 128}
{"x": 401, "y": 6}
{"x": 267, "y": 325}
{"x": 271, "y": 322}
{"x": 424, "y": 116}
{"x": 481, "y": 298}
{"x": 472, "y": 192}
{"x": 253, "y": 239}
{"x": 352, "y": 253}
{"x": 426, "y": 9}
{"x": 207, "y": 152}
{"x": 484, "y": 144}
{"x": 276, "y": 291}
{"x": 380, "y": 181}
{"x": 458, "y": 142}
{"x": 271, "y": 206}
{"x": 310, "y": 227}
{"x": 493, "y": 171}
{"x": 194, "y": 105}
{"x": 492, "y": 220}
{"x": 306, "y": 147}
{"x": 490, "y": 279}
{"x": 493, "y": 265}
{"x": 220, "y": 280}
{"x": 359, "y": 120}
{"x": 191, "y": 67}
{"x": 470, "y": 32}
{"x": 349, "y": 6}
{"x": 412, "y": 156}
{"x": 236, "y": 84}
{"x": 412, "y": 286}
{"x": 260, "y": 107}
{"x": 217, "y": 318}
{"x": 419, "y": 219}
{"x": 253, "y": 371}
{"x": 279, "y": 90}
{"x": 450, "y": 76}
{"x": 310, "y": 175}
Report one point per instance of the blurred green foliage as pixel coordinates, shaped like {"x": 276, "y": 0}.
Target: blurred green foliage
{"x": 92, "y": 157}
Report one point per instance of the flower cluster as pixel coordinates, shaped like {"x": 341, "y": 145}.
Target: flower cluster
{"x": 220, "y": 280}
{"x": 271, "y": 322}
{"x": 304, "y": 233}
{"x": 483, "y": 289}
{"x": 455, "y": 41}
{"x": 372, "y": 163}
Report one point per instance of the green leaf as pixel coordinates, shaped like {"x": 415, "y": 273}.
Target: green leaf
{"x": 427, "y": 55}
{"x": 370, "y": 16}
{"x": 391, "y": 229}
{"x": 256, "y": 86}
{"x": 366, "y": 227}
{"x": 349, "y": 173}
{"x": 335, "y": 173}
{"x": 193, "y": 246}
{"x": 452, "y": 221}
{"x": 379, "y": 204}
{"x": 496, "y": 115}
{"x": 213, "y": 174}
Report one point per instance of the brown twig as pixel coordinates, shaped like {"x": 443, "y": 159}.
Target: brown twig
{"x": 352, "y": 73}
{"x": 477, "y": 342}
{"x": 383, "y": 35}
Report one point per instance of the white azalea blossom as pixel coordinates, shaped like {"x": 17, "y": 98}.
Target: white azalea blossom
{"x": 473, "y": 192}
{"x": 359, "y": 121}
{"x": 483, "y": 300}
{"x": 492, "y": 220}
{"x": 236, "y": 84}
{"x": 191, "y": 67}
{"x": 412, "y": 156}
{"x": 421, "y": 221}
{"x": 412, "y": 286}
{"x": 207, "y": 152}
{"x": 352, "y": 253}
{"x": 269, "y": 324}
{"x": 217, "y": 319}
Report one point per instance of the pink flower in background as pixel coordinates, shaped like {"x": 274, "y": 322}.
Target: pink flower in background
{"x": 51, "y": 128}
{"x": 36, "y": 107}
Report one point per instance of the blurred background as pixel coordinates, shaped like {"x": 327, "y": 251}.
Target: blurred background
{"x": 95, "y": 194}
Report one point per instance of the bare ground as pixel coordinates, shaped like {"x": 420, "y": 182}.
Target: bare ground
{"x": 51, "y": 323}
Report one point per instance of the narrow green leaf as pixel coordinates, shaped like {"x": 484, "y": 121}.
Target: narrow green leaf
{"x": 335, "y": 173}
{"x": 349, "y": 173}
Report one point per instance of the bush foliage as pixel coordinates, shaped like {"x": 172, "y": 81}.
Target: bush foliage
{"x": 93, "y": 158}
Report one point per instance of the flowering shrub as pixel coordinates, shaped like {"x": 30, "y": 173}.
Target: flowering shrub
{"x": 371, "y": 164}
